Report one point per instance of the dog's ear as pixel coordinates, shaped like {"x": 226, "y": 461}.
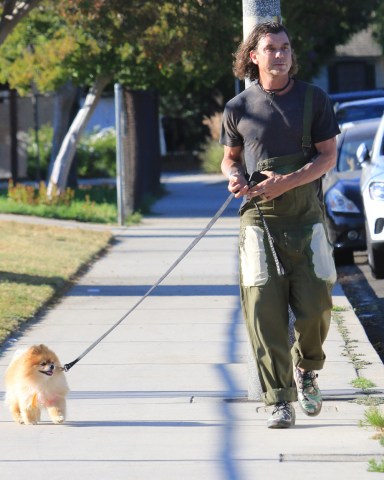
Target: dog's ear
{"x": 36, "y": 349}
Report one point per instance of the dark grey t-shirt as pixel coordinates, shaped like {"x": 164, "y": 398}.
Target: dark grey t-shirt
{"x": 268, "y": 129}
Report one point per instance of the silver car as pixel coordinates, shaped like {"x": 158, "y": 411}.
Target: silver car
{"x": 372, "y": 190}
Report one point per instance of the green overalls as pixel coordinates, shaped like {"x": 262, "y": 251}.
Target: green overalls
{"x": 295, "y": 221}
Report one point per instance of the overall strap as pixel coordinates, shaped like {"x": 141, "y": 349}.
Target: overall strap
{"x": 307, "y": 120}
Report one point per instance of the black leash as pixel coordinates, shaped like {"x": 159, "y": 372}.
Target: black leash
{"x": 254, "y": 179}
{"x": 69, "y": 365}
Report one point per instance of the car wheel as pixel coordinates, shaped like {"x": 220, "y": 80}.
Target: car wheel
{"x": 343, "y": 256}
{"x": 375, "y": 257}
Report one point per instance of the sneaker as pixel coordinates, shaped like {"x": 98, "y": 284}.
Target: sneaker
{"x": 308, "y": 392}
{"x": 283, "y": 416}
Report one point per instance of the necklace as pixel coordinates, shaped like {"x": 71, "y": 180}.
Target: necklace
{"x": 272, "y": 92}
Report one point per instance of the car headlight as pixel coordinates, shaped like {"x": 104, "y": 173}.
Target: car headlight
{"x": 339, "y": 203}
{"x": 376, "y": 190}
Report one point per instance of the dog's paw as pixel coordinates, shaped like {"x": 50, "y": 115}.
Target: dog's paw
{"x": 58, "y": 419}
{"x": 30, "y": 422}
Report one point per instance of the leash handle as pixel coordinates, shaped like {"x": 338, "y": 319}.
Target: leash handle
{"x": 69, "y": 365}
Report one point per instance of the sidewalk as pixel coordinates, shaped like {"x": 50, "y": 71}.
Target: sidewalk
{"x": 164, "y": 396}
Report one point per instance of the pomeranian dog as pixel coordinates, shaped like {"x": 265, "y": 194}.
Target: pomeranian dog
{"x": 35, "y": 380}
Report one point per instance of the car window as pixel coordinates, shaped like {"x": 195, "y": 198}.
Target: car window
{"x": 347, "y": 161}
{"x": 354, "y": 113}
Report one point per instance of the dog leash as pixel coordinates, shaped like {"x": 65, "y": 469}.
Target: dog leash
{"x": 69, "y": 365}
{"x": 278, "y": 263}
{"x": 254, "y": 179}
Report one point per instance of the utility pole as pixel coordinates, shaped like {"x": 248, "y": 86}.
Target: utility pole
{"x": 254, "y": 13}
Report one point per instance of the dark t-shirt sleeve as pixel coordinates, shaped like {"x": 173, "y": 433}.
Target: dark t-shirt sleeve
{"x": 324, "y": 124}
{"x": 230, "y": 135}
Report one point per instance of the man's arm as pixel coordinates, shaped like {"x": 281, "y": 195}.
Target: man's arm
{"x": 232, "y": 168}
{"x": 324, "y": 161}
{"x": 278, "y": 184}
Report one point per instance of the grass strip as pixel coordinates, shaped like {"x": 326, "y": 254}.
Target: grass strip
{"x": 37, "y": 264}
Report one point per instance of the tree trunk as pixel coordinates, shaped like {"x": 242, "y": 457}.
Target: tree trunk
{"x": 65, "y": 100}
{"x": 142, "y": 149}
{"x": 59, "y": 177}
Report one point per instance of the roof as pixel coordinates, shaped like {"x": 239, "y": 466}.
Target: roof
{"x": 362, "y": 44}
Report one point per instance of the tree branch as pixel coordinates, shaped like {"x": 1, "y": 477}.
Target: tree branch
{"x": 13, "y": 12}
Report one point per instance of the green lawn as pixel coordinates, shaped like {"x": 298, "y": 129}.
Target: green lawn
{"x": 37, "y": 264}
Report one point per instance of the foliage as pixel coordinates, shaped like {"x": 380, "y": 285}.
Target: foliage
{"x": 86, "y": 205}
{"x": 96, "y": 154}
{"x": 38, "y": 170}
{"x": 378, "y": 28}
{"x": 29, "y": 195}
{"x": 96, "y": 204}
{"x": 375, "y": 466}
{"x": 140, "y": 44}
{"x": 183, "y": 49}
{"x": 363, "y": 383}
{"x": 212, "y": 152}
{"x": 318, "y": 27}
{"x": 211, "y": 156}
{"x": 374, "y": 417}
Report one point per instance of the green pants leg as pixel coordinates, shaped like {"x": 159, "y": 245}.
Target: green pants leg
{"x": 265, "y": 297}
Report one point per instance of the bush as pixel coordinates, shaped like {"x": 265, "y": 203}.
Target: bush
{"x": 90, "y": 204}
{"x": 212, "y": 153}
{"x": 29, "y": 195}
{"x": 95, "y": 153}
{"x": 211, "y": 157}
{"x": 45, "y": 148}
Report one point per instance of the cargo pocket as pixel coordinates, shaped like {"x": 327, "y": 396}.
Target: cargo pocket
{"x": 253, "y": 259}
{"x": 324, "y": 266}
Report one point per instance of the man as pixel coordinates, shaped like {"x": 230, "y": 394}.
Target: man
{"x": 285, "y": 128}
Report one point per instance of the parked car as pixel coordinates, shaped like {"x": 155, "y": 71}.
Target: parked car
{"x": 340, "y": 97}
{"x": 372, "y": 190}
{"x": 359, "y": 110}
{"x": 342, "y": 197}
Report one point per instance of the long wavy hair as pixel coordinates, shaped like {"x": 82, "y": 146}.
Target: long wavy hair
{"x": 243, "y": 67}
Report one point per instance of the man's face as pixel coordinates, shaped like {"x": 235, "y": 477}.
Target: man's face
{"x": 273, "y": 54}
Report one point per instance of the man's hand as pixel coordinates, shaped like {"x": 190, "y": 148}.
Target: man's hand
{"x": 237, "y": 184}
{"x": 270, "y": 188}
{"x": 231, "y": 166}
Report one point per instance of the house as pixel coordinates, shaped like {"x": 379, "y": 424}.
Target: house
{"x": 357, "y": 65}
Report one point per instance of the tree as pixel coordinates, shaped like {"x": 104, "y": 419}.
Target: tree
{"x": 318, "y": 27}
{"x": 378, "y": 25}
{"x": 140, "y": 44}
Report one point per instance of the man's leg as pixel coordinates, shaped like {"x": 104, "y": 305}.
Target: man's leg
{"x": 311, "y": 301}
{"x": 264, "y": 298}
